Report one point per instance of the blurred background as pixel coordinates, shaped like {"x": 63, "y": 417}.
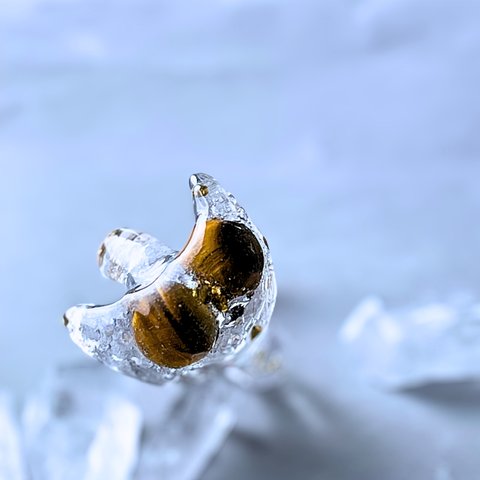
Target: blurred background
{"x": 347, "y": 128}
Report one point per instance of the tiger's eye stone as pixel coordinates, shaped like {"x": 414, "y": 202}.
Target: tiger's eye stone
{"x": 225, "y": 254}
{"x": 177, "y": 326}
{"x": 173, "y": 329}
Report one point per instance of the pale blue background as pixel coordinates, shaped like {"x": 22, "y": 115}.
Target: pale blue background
{"x": 348, "y": 129}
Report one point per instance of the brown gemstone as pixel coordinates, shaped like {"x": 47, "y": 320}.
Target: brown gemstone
{"x": 225, "y": 254}
{"x": 177, "y": 325}
{"x": 173, "y": 329}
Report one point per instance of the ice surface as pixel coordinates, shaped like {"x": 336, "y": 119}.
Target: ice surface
{"x": 416, "y": 344}
{"x": 131, "y": 257}
{"x": 11, "y": 460}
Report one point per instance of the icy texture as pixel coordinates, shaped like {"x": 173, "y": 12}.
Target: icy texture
{"x": 131, "y": 258}
{"x": 78, "y": 429}
{"x": 260, "y": 367}
{"x": 179, "y": 443}
{"x": 11, "y": 459}
{"x": 431, "y": 342}
{"x": 105, "y": 332}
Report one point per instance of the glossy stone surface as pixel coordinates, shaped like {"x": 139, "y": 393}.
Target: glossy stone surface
{"x": 226, "y": 255}
{"x": 172, "y": 328}
{"x": 177, "y": 325}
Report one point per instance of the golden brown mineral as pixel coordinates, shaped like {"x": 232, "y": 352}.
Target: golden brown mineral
{"x": 177, "y": 325}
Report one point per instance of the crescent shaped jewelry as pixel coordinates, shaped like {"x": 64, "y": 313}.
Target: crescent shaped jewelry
{"x": 183, "y": 310}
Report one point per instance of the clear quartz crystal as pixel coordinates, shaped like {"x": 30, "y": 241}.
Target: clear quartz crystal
{"x": 77, "y": 427}
{"x": 88, "y": 424}
{"x": 180, "y": 440}
{"x": 417, "y": 344}
{"x": 11, "y": 454}
{"x": 136, "y": 260}
{"x": 132, "y": 258}
{"x": 259, "y": 367}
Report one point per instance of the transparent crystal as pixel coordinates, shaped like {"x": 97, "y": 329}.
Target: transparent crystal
{"x": 260, "y": 367}
{"x": 77, "y": 427}
{"x": 138, "y": 260}
{"x": 180, "y": 440}
{"x": 416, "y": 344}
{"x": 132, "y": 258}
{"x": 11, "y": 455}
{"x": 86, "y": 423}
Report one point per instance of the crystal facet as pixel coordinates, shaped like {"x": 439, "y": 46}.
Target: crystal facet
{"x": 85, "y": 424}
{"x": 418, "y": 344}
{"x": 129, "y": 257}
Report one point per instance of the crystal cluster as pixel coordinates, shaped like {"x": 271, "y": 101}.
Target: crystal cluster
{"x": 84, "y": 423}
{"x": 417, "y": 344}
{"x": 76, "y": 427}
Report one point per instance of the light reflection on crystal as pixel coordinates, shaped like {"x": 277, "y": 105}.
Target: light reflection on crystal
{"x": 80, "y": 429}
{"x": 87, "y": 424}
{"x": 182, "y": 439}
{"x": 11, "y": 454}
{"x": 438, "y": 341}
